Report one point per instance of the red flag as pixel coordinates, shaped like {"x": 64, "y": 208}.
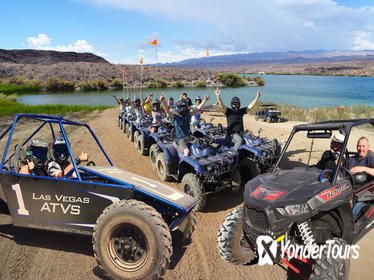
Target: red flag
{"x": 124, "y": 69}
{"x": 123, "y": 75}
{"x": 141, "y": 61}
{"x": 154, "y": 42}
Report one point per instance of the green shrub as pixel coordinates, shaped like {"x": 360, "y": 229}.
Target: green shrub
{"x": 177, "y": 84}
{"x": 159, "y": 82}
{"x": 56, "y": 84}
{"x": 231, "y": 79}
{"x": 116, "y": 83}
{"x": 200, "y": 83}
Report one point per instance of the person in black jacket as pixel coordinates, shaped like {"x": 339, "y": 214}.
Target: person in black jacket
{"x": 330, "y": 157}
{"x": 234, "y": 117}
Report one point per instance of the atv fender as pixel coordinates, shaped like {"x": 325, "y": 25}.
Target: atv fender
{"x": 245, "y": 149}
{"x": 188, "y": 165}
{"x": 171, "y": 153}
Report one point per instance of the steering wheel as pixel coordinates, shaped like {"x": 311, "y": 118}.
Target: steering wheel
{"x": 348, "y": 175}
{"x": 91, "y": 163}
{"x": 19, "y": 157}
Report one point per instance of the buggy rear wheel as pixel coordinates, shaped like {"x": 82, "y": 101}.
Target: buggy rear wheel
{"x": 132, "y": 241}
{"x": 191, "y": 185}
{"x": 153, "y": 153}
{"x": 161, "y": 168}
{"x": 232, "y": 245}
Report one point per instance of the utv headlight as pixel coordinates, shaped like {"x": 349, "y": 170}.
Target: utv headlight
{"x": 297, "y": 209}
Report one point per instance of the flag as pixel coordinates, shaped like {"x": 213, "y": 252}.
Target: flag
{"x": 141, "y": 61}
{"x": 207, "y": 52}
{"x": 124, "y": 69}
{"x": 154, "y": 42}
{"x": 123, "y": 75}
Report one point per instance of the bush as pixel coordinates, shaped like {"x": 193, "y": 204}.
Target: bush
{"x": 94, "y": 85}
{"x": 178, "y": 84}
{"x": 200, "y": 83}
{"x": 231, "y": 79}
{"x": 161, "y": 83}
{"x": 56, "y": 84}
{"x": 116, "y": 83}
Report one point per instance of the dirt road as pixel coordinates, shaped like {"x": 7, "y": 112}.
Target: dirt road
{"x": 34, "y": 254}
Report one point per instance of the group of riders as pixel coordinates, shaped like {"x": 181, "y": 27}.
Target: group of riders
{"x": 185, "y": 116}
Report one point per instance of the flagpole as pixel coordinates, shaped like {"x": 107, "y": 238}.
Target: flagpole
{"x": 123, "y": 85}
{"x": 156, "y": 72}
{"x": 141, "y": 77}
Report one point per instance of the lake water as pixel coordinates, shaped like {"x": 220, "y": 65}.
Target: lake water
{"x": 300, "y": 90}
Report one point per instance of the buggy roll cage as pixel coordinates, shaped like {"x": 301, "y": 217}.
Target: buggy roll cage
{"x": 344, "y": 126}
{"x": 48, "y": 120}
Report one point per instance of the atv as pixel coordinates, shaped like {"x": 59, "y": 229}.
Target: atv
{"x": 268, "y": 113}
{"x": 129, "y": 216}
{"x": 209, "y": 168}
{"x": 306, "y": 207}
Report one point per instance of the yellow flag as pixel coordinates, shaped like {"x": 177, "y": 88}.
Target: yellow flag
{"x": 207, "y": 52}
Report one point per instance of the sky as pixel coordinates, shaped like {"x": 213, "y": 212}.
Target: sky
{"x": 120, "y": 30}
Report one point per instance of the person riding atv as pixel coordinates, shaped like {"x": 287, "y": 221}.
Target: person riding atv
{"x": 330, "y": 157}
{"x": 182, "y": 120}
{"x": 235, "y": 118}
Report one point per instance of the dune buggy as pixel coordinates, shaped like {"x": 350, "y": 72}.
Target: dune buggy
{"x": 304, "y": 206}
{"x": 129, "y": 216}
{"x": 268, "y": 113}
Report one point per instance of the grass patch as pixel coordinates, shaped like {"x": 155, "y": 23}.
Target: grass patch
{"x": 11, "y": 107}
{"x": 11, "y": 89}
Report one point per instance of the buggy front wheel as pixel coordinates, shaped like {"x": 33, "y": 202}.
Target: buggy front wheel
{"x": 132, "y": 241}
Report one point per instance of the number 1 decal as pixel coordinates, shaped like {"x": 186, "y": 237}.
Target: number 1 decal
{"x": 21, "y": 205}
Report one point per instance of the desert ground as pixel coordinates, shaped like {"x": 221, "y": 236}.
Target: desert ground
{"x": 35, "y": 254}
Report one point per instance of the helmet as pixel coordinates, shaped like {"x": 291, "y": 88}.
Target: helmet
{"x": 38, "y": 150}
{"x": 235, "y": 100}
{"x": 336, "y": 144}
{"x": 182, "y": 106}
{"x": 156, "y": 105}
{"x": 60, "y": 149}
{"x": 137, "y": 102}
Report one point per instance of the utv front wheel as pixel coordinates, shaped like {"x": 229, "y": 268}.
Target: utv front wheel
{"x": 191, "y": 185}
{"x": 132, "y": 241}
{"x": 232, "y": 245}
{"x": 153, "y": 153}
{"x": 331, "y": 268}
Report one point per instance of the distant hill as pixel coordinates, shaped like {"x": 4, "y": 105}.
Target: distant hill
{"x": 290, "y": 57}
{"x": 46, "y": 57}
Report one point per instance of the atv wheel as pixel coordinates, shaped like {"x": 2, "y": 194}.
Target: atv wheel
{"x": 124, "y": 127}
{"x": 153, "y": 153}
{"x": 331, "y": 268}
{"x": 119, "y": 123}
{"x": 191, "y": 185}
{"x": 161, "y": 168}
{"x": 127, "y": 130}
{"x": 232, "y": 245}
{"x": 136, "y": 135}
{"x": 268, "y": 119}
{"x": 187, "y": 227}
{"x": 256, "y": 117}
{"x": 248, "y": 169}
{"x": 132, "y": 241}
{"x": 278, "y": 120}
{"x": 140, "y": 145}
{"x": 131, "y": 133}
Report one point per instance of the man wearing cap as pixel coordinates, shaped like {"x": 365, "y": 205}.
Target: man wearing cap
{"x": 234, "y": 117}
{"x": 182, "y": 119}
{"x": 330, "y": 157}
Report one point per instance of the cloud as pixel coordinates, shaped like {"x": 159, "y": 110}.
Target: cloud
{"x": 259, "y": 25}
{"x": 362, "y": 41}
{"x": 43, "y": 42}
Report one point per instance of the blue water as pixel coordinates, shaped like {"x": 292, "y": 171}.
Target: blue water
{"x": 300, "y": 90}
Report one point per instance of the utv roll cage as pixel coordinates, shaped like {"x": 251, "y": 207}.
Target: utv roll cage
{"x": 47, "y": 120}
{"x": 324, "y": 130}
